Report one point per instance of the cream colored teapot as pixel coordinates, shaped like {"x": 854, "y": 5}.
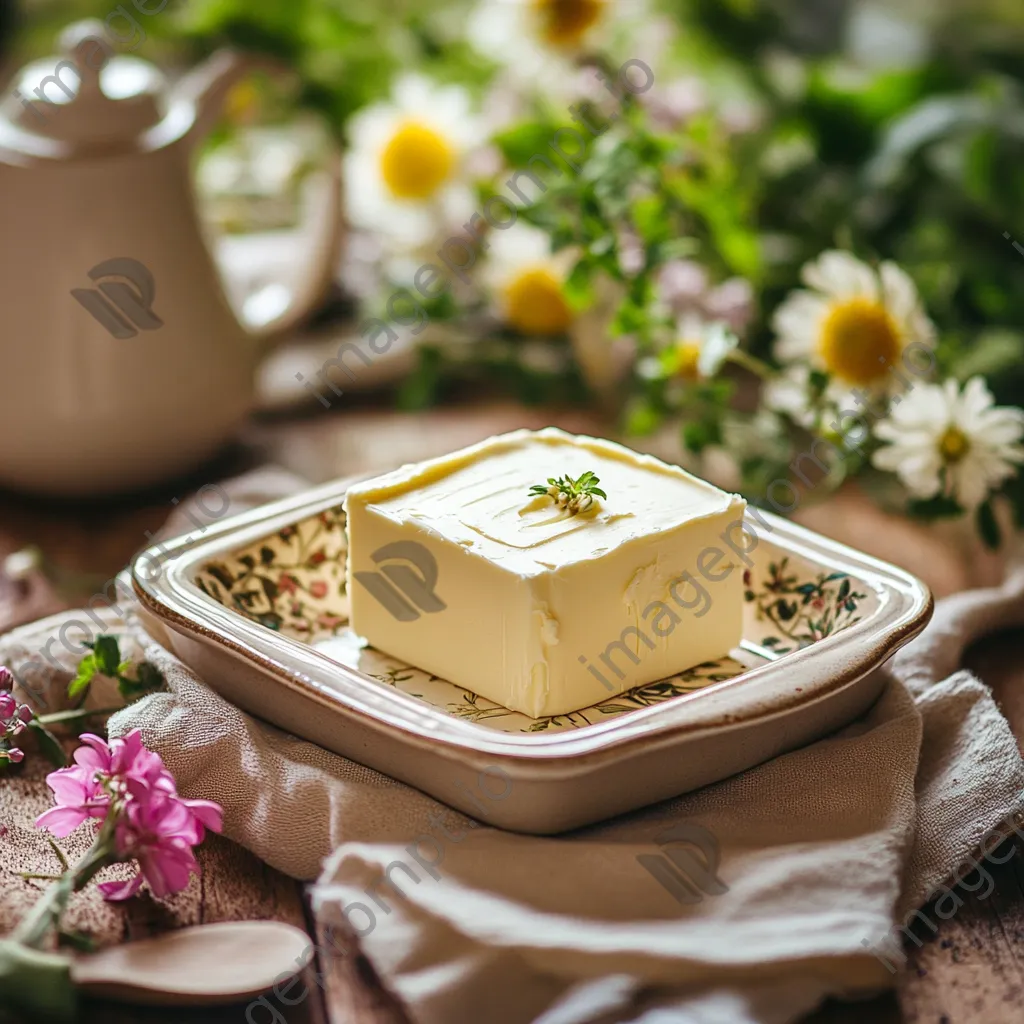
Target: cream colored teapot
{"x": 122, "y": 359}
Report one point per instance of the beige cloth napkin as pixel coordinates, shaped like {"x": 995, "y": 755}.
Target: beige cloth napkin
{"x": 819, "y": 852}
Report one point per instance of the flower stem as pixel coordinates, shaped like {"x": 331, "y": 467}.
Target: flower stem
{"x": 749, "y": 362}
{"x": 47, "y": 912}
{"x": 57, "y": 717}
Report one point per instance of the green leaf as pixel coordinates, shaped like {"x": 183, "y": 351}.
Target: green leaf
{"x": 58, "y": 853}
{"x": 108, "y": 654}
{"x": 939, "y": 507}
{"x": 87, "y": 669}
{"x": 422, "y": 387}
{"x": 524, "y": 141}
{"x": 76, "y": 940}
{"x": 696, "y": 436}
{"x": 147, "y": 679}
{"x": 642, "y": 419}
{"x": 651, "y": 219}
{"x": 37, "y": 983}
{"x": 991, "y": 352}
{"x": 48, "y": 744}
{"x": 988, "y": 526}
{"x": 578, "y": 287}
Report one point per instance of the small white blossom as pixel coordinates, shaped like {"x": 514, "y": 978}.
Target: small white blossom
{"x": 941, "y": 440}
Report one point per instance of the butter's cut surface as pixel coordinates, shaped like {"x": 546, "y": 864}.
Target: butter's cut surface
{"x": 454, "y": 567}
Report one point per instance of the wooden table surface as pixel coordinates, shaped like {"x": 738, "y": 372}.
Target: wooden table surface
{"x": 972, "y": 970}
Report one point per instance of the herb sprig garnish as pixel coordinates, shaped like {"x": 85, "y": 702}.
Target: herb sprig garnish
{"x": 572, "y": 495}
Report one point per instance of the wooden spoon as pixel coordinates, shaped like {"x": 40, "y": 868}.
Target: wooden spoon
{"x": 210, "y": 963}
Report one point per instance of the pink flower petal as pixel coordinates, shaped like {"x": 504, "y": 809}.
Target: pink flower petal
{"x": 70, "y": 786}
{"x": 61, "y": 821}
{"x": 99, "y": 746}
{"x": 86, "y": 758}
{"x": 168, "y": 869}
{"x": 115, "y": 891}
{"x": 209, "y": 813}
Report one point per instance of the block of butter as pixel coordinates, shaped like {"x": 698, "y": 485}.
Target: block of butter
{"x": 540, "y": 605}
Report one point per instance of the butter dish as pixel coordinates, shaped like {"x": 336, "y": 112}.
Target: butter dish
{"x": 459, "y": 567}
{"x": 258, "y": 606}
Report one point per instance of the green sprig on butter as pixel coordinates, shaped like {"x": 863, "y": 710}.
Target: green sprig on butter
{"x": 573, "y": 495}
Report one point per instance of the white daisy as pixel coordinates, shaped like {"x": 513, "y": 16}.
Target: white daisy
{"x": 854, "y": 323}
{"x": 790, "y": 392}
{"x": 698, "y": 352}
{"x": 404, "y": 169}
{"x": 953, "y": 442}
{"x": 526, "y": 280}
{"x": 539, "y": 39}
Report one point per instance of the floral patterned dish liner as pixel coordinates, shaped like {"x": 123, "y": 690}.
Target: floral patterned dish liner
{"x": 293, "y": 582}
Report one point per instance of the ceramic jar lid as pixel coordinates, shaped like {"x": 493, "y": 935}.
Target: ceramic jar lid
{"x": 86, "y": 95}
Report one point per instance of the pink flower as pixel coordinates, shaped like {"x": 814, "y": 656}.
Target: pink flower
{"x": 78, "y": 790}
{"x": 159, "y": 832}
{"x": 318, "y": 589}
{"x": 152, "y": 824}
{"x": 13, "y": 719}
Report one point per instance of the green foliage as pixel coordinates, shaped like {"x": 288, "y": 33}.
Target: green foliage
{"x": 917, "y": 160}
{"x": 106, "y": 660}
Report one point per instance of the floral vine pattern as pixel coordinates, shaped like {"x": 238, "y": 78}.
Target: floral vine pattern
{"x": 293, "y": 582}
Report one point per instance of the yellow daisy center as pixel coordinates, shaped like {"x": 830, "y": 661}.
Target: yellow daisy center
{"x": 954, "y": 445}
{"x": 566, "y": 22}
{"x": 685, "y": 356}
{"x": 416, "y": 162}
{"x": 859, "y": 341}
{"x": 534, "y": 303}
{"x": 242, "y": 100}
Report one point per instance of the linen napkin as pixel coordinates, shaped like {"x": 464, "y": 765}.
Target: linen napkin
{"x": 747, "y": 902}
